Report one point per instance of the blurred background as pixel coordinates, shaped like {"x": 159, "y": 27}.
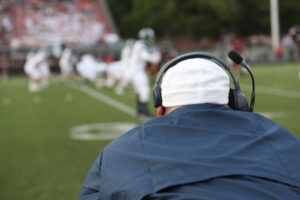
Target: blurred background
{"x": 55, "y": 121}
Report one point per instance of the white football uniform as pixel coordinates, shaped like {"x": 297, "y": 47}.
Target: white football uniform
{"x": 89, "y": 68}
{"x": 113, "y": 71}
{"x": 31, "y": 66}
{"x": 125, "y": 60}
{"x": 141, "y": 54}
{"x": 65, "y": 62}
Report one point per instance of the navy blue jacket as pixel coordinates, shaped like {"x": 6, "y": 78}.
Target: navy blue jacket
{"x": 201, "y": 151}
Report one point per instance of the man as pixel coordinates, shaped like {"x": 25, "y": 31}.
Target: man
{"x": 66, "y": 62}
{"x": 37, "y": 68}
{"x": 125, "y": 66}
{"x": 143, "y": 52}
{"x": 113, "y": 72}
{"x": 199, "y": 148}
{"x": 89, "y": 69}
{"x": 295, "y": 33}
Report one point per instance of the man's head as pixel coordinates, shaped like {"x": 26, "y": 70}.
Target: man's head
{"x": 295, "y": 32}
{"x": 147, "y": 34}
{"x": 193, "y": 81}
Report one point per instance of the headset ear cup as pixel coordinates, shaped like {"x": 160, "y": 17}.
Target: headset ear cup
{"x": 232, "y": 99}
{"x": 157, "y": 101}
{"x": 241, "y": 102}
{"x": 237, "y": 100}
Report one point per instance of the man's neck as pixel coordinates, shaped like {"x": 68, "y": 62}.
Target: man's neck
{"x": 171, "y": 109}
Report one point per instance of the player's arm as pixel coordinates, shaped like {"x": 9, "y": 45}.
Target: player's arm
{"x": 152, "y": 56}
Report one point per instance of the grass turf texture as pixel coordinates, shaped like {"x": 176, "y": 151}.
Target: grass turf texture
{"x": 40, "y": 161}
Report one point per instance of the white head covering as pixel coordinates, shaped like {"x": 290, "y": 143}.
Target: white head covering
{"x": 194, "y": 81}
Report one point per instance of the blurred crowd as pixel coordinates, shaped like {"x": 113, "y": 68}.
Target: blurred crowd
{"x": 50, "y": 26}
{"x": 37, "y": 23}
{"x": 255, "y": 48}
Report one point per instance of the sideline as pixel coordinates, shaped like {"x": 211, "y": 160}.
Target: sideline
{"x": 108, "y": 100}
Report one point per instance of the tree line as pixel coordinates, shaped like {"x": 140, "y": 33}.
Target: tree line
{"x": 192, "y": 19}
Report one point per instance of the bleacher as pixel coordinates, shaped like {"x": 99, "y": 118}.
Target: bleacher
{"x": 83, "y": 25}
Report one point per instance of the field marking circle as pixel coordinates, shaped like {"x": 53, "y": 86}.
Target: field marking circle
{"x": 100, "y": 131}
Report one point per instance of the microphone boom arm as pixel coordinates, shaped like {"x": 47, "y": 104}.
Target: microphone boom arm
{"x": 253, "y": 86}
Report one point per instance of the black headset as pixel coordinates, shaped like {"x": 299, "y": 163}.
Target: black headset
{"x": 237, "y": 100}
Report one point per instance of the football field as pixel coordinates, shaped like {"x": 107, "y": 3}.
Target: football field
{"x": 49, "y": 139}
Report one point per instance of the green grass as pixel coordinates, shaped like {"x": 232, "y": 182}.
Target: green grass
{"x": 39, "y": 159}
{"x": 280, "y": 78}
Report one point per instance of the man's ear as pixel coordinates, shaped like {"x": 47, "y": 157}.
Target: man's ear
{"x": 161, "y": 111}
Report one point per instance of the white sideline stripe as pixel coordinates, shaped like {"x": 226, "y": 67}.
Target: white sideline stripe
{"x": 273, "y": 91}
{"x": 108, "y": 100}
{"x": 112, "y": 102}
{"x": 273, "y": 115}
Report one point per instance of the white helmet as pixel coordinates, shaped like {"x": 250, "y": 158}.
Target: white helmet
{"x": 146, "y": 34}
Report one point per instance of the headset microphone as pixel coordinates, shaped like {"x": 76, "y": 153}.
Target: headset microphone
{"x": 237, "y": 59}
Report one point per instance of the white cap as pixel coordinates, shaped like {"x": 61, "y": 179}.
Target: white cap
{"x": 194, "y": 81}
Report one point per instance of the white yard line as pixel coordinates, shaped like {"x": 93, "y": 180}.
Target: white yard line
{"x": 108, "y": 100}
{"x": 273, "y": 115}
{"x": 273, "y": 91}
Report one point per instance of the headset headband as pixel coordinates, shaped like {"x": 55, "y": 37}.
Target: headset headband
{"x": 237, "y": 99}
{"x": 192, "y": 55}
